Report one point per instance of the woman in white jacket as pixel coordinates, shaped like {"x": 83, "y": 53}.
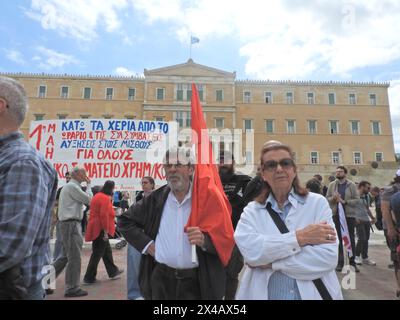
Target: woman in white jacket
{"x": 285, "y": 265}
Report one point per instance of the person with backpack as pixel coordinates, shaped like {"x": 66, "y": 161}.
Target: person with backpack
{"x": 390, "y": 205}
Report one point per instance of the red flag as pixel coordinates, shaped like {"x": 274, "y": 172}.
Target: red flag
{"x": 211, "y": 210}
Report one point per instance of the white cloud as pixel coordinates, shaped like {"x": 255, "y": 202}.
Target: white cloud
{"x": 283, "y": 39}
{"x": 159, "y": 9}
{"x": 291, "y": 39}
{"x": 50, "y": 59}
{"x": 15, "y": 56}
{"x": 394, "y": 101}
{"x": 125, "y": 72}
{"x": 76, "y": 18}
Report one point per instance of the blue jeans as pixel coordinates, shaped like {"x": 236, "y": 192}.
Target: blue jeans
{"x": 133, "y": 273}
{"x": 36, "y": 292}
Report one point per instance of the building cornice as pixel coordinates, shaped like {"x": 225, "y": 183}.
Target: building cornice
{"x": 385, "y": 84}
{"x": 71, "y": 76}
{"x": 150, "y": 76}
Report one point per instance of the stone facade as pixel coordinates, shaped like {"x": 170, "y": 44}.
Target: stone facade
{"x": 326, "y": 123}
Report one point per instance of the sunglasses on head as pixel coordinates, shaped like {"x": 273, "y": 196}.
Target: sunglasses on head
{"x": 272, "y": 165}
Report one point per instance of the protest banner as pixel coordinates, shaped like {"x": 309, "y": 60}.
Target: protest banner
{"x": 109, "y": 149}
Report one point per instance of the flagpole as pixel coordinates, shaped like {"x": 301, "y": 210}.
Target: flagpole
{"x": 195, "y": 259}
{"x": 194, "y": 255}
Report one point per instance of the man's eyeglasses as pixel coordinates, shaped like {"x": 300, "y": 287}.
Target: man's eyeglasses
{"x": 176, "y": 165}
{"x": 272, "y": 165}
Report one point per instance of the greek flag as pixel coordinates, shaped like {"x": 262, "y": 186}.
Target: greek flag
{"x": 194, "y": 40}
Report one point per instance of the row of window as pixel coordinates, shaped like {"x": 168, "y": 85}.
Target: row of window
{"x": 184, "y": 120}
{"x": 309, "y": 98}
{"x": 183, "y": 92}
{"x": 86, "y": 93}
{"x": 311, "y": 126}
{"x": 336, "y": 157}
{"x": 40, "y": 116}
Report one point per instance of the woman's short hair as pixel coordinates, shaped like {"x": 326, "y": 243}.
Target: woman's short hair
{"x": 108, "y": 187}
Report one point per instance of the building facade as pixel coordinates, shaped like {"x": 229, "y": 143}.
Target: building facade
{"x": 326, "y": 123}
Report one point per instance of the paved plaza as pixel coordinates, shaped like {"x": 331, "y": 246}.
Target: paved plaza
{"x": 374, "y": 283}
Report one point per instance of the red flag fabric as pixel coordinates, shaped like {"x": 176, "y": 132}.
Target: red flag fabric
{"x": 211, "y": 210}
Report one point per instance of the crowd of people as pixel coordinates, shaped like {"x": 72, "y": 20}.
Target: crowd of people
{"x": 288, "y": 237}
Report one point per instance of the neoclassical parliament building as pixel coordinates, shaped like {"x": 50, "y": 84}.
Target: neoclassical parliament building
{"x": 326, "y": 123}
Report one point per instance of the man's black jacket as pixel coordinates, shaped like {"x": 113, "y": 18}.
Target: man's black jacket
{"x": 139, "y": 225}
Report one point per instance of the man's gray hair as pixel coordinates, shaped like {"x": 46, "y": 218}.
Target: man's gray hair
{"x": 14, "y": 93}
{"x": 75, "y": 170}
{"x": 182, "y": 155}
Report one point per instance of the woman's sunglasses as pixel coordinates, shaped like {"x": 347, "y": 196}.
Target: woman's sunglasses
{"x": 272, "y": 165}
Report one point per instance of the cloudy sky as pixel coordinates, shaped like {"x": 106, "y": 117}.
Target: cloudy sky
{"x": 283, "y": 39}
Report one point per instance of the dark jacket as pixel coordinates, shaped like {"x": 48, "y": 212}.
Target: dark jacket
{"x": 352, "y": 198}
{"x": 234, "y": 188}
{"x": 139, "y": 225}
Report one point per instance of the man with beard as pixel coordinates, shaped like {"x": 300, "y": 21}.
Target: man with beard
{"x": 345, "y": 192}
{"x": 234, "y": 187}
{"x": 155, "y": 227}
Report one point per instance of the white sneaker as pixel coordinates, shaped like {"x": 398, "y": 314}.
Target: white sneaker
{"x": 358, "y": 260}
{"x": 369, "y": 262}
